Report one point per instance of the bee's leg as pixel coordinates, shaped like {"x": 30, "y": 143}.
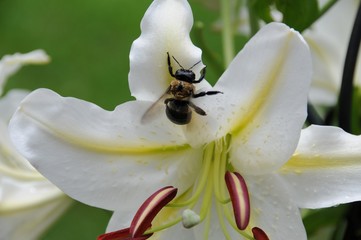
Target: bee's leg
{"x": 170, "y": 69}
{"x": 202, "y": 94}
{"x": 203, "y": 74}
{"x": 197, "y": 109}
{"x": 167, "y": 100}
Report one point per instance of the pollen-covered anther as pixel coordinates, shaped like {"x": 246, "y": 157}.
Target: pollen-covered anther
{"x": 259, "y": 234}
{"x": 149, "y": 209}
{"x": 238, "y": 193}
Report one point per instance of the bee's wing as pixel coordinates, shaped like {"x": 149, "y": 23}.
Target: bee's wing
{"x": 155, "y": 109}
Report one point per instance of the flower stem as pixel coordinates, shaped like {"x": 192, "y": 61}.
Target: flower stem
{"x": 322, "y": 11}
{"x": 227, "y": 33}
{"x": 326, "y": 7}
{"x": 345, "y": 97}
{"x": 313, "y": 117}
{"x": 214, "y": 60}
{"x": 253, "y": 19}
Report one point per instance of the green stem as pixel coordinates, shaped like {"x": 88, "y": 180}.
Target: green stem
{"x": 313, "y": 117}
{"x": 227, "y": 33}
{"x": 253, "y": 19}
{"x": 322, "y": 11}
{"x": 326, "y": 7}
{"x": 212, "y": 58}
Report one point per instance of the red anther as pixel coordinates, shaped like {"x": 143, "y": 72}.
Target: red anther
{"x": 149, "y": 209}
{"x": 123, "y": 234}
{"x": 259, "y": 234}
{"x": 143, "y": 217}
{"x": 238, "y": 193}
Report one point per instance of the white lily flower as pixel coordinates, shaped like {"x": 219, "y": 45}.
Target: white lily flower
{"x": 29, "y": 203}
{"x": 10, "y": 64}
{"x": 328, "y": 39}
{"x": 238, "y": 169}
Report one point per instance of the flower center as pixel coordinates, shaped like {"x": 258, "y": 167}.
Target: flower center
{"x": 229, "y": 196}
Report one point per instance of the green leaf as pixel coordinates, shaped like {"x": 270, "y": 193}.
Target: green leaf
{"x": 298, "y": 14}
{"x": 262, "y": 9}
{"x": 327, "y": 219}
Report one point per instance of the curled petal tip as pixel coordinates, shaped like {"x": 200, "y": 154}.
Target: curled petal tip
{"x": 238, "y": 193}
{"x": 259, "y": 234}
{"x": 149, "y": 209}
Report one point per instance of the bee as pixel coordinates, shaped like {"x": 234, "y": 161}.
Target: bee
{"x": 181, "y": 90}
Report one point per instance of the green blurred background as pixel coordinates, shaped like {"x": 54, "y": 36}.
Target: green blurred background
{"x": 89, "y": 43}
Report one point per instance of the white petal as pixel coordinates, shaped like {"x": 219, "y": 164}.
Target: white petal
{"x": 273, "y": 210}
{"x": 165, "y": 28}
{"x": 10, "y": 158}
{"x": 325, "y": 169}
{"x": 9, "y": 64}
{"x": 106, "y": 159}
{"x": 328, "y": 40}
{"x": 265, "y": 99}
{"x": 32, "y": 222}
{"x": 120, "y": 220}
{"x": 10, "y": 102}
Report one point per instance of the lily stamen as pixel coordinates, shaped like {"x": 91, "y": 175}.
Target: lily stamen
{"x": 239, "y": 197}
{"x": 150, "y": 208}
{"x": 259, "y": 234}
{"x": 144, "y": 216}
{"x": 123, "y": 234}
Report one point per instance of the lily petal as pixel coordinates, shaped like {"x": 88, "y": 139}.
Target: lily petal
{"x": 9, "y": 64}
{"x": 273, "y": 210}
{"x": 264, "y": 101}
{"x": 10, "y": 102}
{"x": 328, "y": 39}
{"x": 32, "y": 222}
{"x": 165, "y": 28}
{"x": 10, "y": 158}
{"x": 102, "y": 157}
{"x": 325, "y": 169}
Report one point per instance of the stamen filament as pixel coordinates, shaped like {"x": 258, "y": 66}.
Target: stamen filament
{"x": 221, "y": 221}
{"x": 207, "y": 225}
{"x": 207, "y": 160}
{"x": 219, "y": 167}
{"x": 207, "y": 199}
{"x": 163, "y": 226}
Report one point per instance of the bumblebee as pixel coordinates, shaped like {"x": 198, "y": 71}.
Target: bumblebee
{"x": 178, "y": 95}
